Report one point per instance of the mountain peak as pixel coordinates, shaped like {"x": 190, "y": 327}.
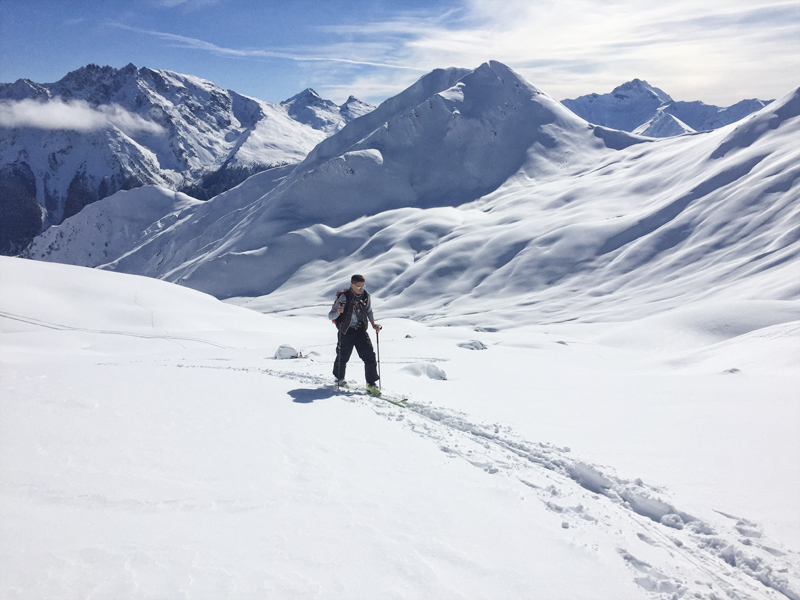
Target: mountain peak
{"x": 354, "y": 108}
{"x": 640, "y": 87}
{"x": 23, "y": 89}
{"x": 308, "y": 95}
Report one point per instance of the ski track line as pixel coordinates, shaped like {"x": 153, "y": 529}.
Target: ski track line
{"x": 59, "y": 327}
{"x": 738, "y": 564}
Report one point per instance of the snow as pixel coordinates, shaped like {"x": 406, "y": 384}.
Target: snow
{"x": 598, "y": 332}
{"x": 151, "y": 447}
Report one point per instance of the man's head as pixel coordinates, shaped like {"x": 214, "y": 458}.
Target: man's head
{"x": 357, "y": 284}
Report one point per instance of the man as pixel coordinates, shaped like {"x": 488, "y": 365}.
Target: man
{"x": 351, "y": 313}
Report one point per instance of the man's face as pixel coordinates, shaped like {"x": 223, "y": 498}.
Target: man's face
{"x": 358, "y": 288}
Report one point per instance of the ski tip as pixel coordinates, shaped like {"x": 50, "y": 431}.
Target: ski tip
{"x": 402, "y": 403}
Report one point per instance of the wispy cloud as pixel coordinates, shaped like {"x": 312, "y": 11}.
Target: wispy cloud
{"x": 260, "y": 53}
{"x": 76, "y": 115}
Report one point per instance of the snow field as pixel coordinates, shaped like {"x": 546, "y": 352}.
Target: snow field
{"x": 152, "y": 447}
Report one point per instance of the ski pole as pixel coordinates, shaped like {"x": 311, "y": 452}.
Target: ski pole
{"x": 378, "y": 344}
{"x": 338, "y": 360}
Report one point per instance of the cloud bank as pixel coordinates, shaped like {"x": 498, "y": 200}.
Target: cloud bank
{"x": 75, "y": 115}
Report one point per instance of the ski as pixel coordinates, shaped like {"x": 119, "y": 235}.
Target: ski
{"x": 391, "y": 399}
{"x": 402, "y": 402}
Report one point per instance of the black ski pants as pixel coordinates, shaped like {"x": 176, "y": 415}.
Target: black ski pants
{"x": 358, "y": 339}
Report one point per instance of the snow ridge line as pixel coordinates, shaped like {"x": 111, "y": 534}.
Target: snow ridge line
{"x": 59, "y": 327}
{"x": 749, "y": 567}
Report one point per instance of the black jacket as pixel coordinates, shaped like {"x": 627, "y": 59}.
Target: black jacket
{"x": 361, "y": 304}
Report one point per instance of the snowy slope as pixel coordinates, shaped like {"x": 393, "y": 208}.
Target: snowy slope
{"x": 130, "y": 468}
{"x": 663, "y": 124}
{"x": 638, "y": 106}
{"x": 489, "y": 190}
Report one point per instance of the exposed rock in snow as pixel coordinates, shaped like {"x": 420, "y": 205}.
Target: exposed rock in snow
{"x": 353, "y": 108}
{"x": 426, "y": 369}
{"x": 286, "y": 351}
{"x": 473, "y": 345}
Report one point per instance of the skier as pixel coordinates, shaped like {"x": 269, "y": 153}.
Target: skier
{"x": 351, "y": 312}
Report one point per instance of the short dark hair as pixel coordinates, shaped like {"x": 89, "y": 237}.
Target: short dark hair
{"x": 357, "y": 279}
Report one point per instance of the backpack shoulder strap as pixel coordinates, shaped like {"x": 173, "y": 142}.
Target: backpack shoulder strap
{"x": 338, "y": 294}
{"x": 348, "y": 309}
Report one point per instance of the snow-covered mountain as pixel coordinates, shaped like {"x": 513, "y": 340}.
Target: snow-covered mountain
{"x": 309, "y": 108}
{"x": 453, "y": 137}
{"x": 639, "y": 107}
{"x": 99, "y": 130}
{"x": 477, "y": 184}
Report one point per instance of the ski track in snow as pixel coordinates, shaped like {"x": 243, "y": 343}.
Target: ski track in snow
{"x": 729, "y": 558}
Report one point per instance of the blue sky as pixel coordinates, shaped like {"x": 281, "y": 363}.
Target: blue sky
{"x": 714, "y": 50}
